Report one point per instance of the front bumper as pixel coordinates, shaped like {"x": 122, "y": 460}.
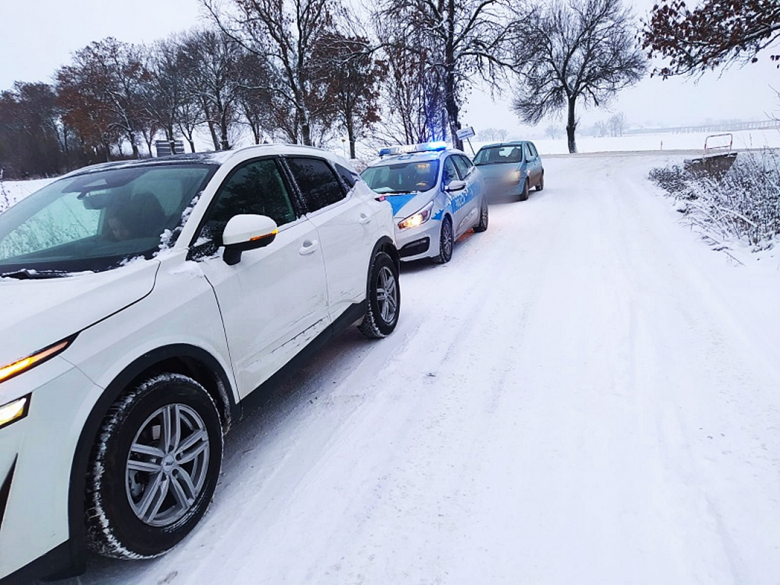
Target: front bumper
{"x": 501, "y": 187}
{"x": 36, "y": 454}
{"x": 419, "y": 242}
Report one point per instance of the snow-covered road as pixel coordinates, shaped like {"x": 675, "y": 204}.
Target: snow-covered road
{"x": 586, "y": 394}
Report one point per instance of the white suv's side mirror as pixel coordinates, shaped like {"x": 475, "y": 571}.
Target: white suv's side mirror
{"x": 246, "y": 232}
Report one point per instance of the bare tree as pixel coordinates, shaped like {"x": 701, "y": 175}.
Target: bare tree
{"x": 572, "y": 50}
{"x": 285, "y": 34}
{"x": 213, "y": 65}
{"x": 412, "y": 98}
{"x": 107, "y": 75}
{"x": 617, "y": 124}
{"x": 458, "y": 38}
{"x": 353, "y": 75}
{"x": 716, "y": 34}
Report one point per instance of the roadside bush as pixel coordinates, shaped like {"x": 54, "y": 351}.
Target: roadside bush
{"x": 744, "y": 204}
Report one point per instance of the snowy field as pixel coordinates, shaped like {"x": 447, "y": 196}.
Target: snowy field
{"x": 586, "y": 394}
{"x": 17, "y": 190}
{"x": 658, "y": 142}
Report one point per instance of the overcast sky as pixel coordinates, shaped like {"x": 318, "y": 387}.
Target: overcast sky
{"x": 38, "y": 36}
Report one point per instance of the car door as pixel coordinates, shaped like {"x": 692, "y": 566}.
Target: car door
{"x": 457, "y": 199}
{"x": 275, "y": 299}
{"x": 344, "y": 224}
{"x": 532, "y": 164}
{"x": 469, "y": 173}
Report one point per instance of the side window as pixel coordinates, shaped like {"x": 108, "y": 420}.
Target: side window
{"x": 528, "y": 152}
{"x": 463, "y": 164}
{"x": 450, "y": 171}
{"x": 257, "y": 188}
{"x": 533, "y": 149}
{"x": 347, "y": 176}
{"x": 318, "y": 185}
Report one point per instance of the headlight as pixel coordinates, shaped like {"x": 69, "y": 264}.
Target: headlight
{"x": 418, "y": 218}
{"x": 25, "y": 364}
{"x": 14, "y": 411}
{"x": 513, "y": 176}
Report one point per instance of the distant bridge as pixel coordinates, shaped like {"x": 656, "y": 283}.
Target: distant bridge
{"x": 720, "y": 127}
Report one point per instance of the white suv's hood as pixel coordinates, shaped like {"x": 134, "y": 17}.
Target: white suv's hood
{"x": 37, "y": 313}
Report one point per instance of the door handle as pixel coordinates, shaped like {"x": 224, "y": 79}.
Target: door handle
{"x": 308, "y": 247}
{"x": 364, "y": 218}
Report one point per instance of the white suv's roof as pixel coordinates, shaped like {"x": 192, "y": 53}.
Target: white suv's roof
{"x": 221, "y": 157}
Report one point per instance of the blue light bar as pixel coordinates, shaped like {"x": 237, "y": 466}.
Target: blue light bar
{"x": 407, "y": 148}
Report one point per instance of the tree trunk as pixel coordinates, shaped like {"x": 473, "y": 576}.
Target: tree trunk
{"x": 351, "y": 137}
{"x": 571, "y": 126}
{"x": 210, "y": 123}
{"x": 449, "y": 78}
{"x": 305, "y": 129}
{"x": 134, "y": 146}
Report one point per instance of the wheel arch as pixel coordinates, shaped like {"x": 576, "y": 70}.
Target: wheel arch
{"x": 385, "y": 244}
{"x": 185, "y": 359}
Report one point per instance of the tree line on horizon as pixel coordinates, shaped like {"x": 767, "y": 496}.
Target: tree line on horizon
{"x": 305, "y": 71}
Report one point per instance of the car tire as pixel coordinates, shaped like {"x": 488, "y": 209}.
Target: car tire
{"x": 483, "y": 217}
{"x": 540, "y": 186}
{"x": 525, "y": 192}
{"x": 383, "y": 300}
{"x": 446, "y": 242}
{"x": 163, "y": 435}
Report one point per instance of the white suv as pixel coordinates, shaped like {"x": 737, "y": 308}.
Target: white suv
{"x": 143, "y": 303}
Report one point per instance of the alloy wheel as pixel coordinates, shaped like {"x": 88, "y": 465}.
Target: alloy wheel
{"x": 167, "y": 466}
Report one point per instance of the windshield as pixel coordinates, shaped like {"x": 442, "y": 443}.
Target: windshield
{"x": 496, "y": 155}
{"x": 98, "y": 220}
{"x": 402, "y": 177}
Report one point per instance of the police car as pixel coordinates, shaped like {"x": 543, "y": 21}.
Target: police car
{"x": 436, "y": 194}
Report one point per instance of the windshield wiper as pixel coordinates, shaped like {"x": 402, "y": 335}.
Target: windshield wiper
{"x": 26, "y": 274}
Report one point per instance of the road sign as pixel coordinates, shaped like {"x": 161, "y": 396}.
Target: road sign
{"x": 465, "y": 133}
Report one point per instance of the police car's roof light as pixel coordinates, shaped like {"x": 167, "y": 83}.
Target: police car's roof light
{"x": 407, "y": 148}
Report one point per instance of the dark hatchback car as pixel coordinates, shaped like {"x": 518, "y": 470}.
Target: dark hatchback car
{"x": 510, "y": 168}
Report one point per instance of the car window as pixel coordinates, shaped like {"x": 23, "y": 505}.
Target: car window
{"x": 402, "y": 177}
{"x": 528, "y": 154}
{"x": 531, "y": 146}
{"x": 499, "y": 155}
{"x": 463, "y": 164}
{"x": 96, "y": 220}
{"x": 450, "y": 171}
{"x": 317, "y": 182}
{"x": 255, "y": 188}
{"x": 347, "y": 176}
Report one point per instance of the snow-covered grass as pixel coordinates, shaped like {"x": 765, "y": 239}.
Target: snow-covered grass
{"x": 739, "y": 210}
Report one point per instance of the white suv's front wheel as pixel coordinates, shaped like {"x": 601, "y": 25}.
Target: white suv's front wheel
{"x": 154, "y": 469}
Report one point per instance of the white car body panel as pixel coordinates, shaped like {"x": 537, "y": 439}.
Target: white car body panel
{"x": 286, "y": 282}
{"x": 27, "y": 330}
{"x": 347, "y": 232}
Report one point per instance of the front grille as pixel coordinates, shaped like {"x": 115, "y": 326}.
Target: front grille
{"x": 416, "y": 247}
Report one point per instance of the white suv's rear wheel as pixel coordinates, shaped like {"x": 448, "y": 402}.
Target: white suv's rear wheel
{"x": 383, "y": 298}
{"x": 154, "y": 469}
